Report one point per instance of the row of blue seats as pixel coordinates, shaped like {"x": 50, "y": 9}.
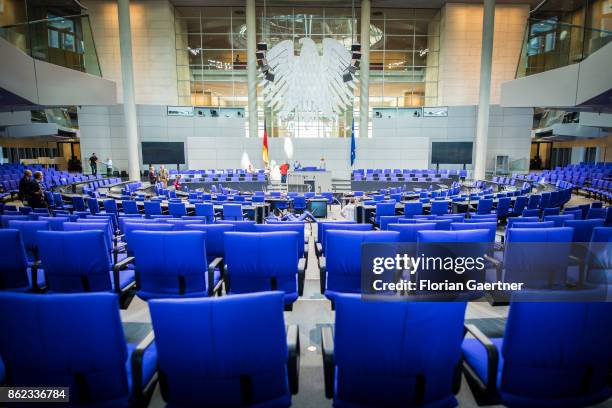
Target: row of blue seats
{"x": 379, "y": 354}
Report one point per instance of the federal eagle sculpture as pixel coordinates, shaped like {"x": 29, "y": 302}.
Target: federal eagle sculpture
{"x": 308, "y": 84}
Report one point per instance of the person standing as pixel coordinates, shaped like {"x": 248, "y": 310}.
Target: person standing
{"x": 93, "y": 163}
{"x": 25, "y": 186}
{"x": 37, "y": 192}
{"x": 177, "y": 182}
{"x": 109, "y": 167}
{"x": 163, "y": 176}
{"x": 284, "y": 169}
{"x": 152, "y": 175}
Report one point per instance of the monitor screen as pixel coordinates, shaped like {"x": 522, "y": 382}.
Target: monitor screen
{"x": 163, "y": 153}
{"x": 451, "y": 152}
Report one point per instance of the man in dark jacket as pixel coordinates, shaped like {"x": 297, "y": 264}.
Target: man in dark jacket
{"x": 25, "y": 186}
{"x": 37, "y": 192}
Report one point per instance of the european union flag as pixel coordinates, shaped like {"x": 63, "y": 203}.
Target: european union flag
{"x": 353, "y": 143}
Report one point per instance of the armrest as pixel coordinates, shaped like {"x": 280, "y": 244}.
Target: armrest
{"x": 496, "y": 262}
{"x": 492, "y": 356}
{"x": 318, "y": 249}
{"x": 137, "y": 366}
{"x": 293, "y": 361}
{"x": 322, "y": 274}
{"x": 327, "y": 349}
{"x": 34, "y": 270}
{"x": 216, "y": 263}
{"x": 301, "y": 275}
{"x": 119, "y": 266}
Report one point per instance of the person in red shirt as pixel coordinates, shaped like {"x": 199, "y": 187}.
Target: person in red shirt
{"x": 284, "y": 169}
{"x": 177, "y": 182}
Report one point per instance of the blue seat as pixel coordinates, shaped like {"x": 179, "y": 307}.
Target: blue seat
{"x": 599, "y": 260}
{"x": 583, "y": 229}
{"x": 162, "y": 273}
{"x": 233, "y": 212}
{"x": 340, "y": 269}
{"x": 129, "y": 207}
{"x": 558, "y": 220}
{"x": 78, "y": 203}
{"x": 295, "y": 227}
{"x": 413, "y": 208}
{"x": 215, "y": 243}
{"x": 383, "y": 209}
{"x": 205, "y": 210}
{"x": 240, "y": 226}
{"x": 75, "y": 340}
{"x": 110, "y": 206}
{"x": 484, "y": 206}
{"x": 29, "y": 230}
{"x": 542, "y": 360}
{"x": 152, "y": 208}
{"x": 177, "y": 209}
{"x": 534, "y": 201}
{"x": 543, "y": 224}
{"x": 550, "y": 211}
{"x": 385, "y": 220}
{"x": 299, "y": 203}
{"x": 595, "y": 213}
{"x": 512, "y": 220}
{"x": 439, "y": 207}
{"x": 80, "y": 261}
{"x": 324, "y": 227}
{"x": 519, "y": 205}
{"x": 112, "y": 218}
{"x": 534, "y": 212}
{"x": 489, "y": 226}
{"x": 210, "y": 362}
{"x": 55, "y": 223}
{"x": 409, "y": 358}
{"x": 537, "y": 257}
{"x": 408, "y": 232}
{"x": 5, "y": 219}
{"x": 117, "y": 250}
{"x": 441, "y": 223}
{"x": 503, "y": 207}
{"x": 130, "y": 226}
{"x": 263, "y": 261}
{"x": 15, "y": 270}
{"x": 94, "y": 206}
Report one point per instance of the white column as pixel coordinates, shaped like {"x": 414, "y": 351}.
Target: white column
{"x": 486, "y": 59}
{"x": 251, "y": 23}
{"x": 129, "y": 100}
{"x": 364, "y": 71}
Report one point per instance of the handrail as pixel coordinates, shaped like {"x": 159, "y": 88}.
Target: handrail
{"x": 561, "y": 23}
{"x": 42, "y": 20}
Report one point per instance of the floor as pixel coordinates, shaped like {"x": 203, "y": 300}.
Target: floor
{"x": 313, "y": 311}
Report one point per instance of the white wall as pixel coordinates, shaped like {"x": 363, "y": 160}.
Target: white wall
{"x": 153, "y": 47}
{"x": 401, "y": 141}
{"x": 460, "y": 45}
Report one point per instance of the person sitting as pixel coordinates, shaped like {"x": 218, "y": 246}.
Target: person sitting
{"x": 24, "y": 185}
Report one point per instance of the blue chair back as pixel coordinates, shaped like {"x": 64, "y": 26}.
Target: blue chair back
{"x": 385, "y": 220}
{"x": 343, "y": 256}
{"x": 533, "y": 212}
{"x": 78, "y": 203}
{"x": 295, "y": 227}
{"x": 13, "y": 269}
{"x": 29, "y": 231}
{"x": 206, "y": 210}
{"x": 512, "y": 220}
{"x": 181, "y": 224}
{"x": 94, "y": 206}
{"x": 215, "y": 242}
{"x": 75, "y": 261}
{"x": 489, "y": 226}
{"x": 439, "y": 207}
{"x": 484, "y": 206}
{"x": 550, "y": 211}
{"x": 177, "y": 209}
{"x": 583, "y": 229}
{"x": 152, "y": 208}
{"x": 595, "y": 213}
{"x": 232, "y": 212}
{"x": 324, "y": 227}
{"x": 417, "y": 348}
{"x": 55, "y": 223}
{"x": 299, "y": 203}
{"x": 534, "y": 201}
{"x": 441, "y": 223}
{"x": 240, "y": 226}
{"x": 558, "y": 220}
{"x": 170, "y": 263}
{"x": 543, "y": 224}
{"x": 5, "y": 219}
{"x": 212, "y": 355}
{"x": 110, "y": 206}
{"x": 503, "y": 207}
{"x": 129, "y": 228}
{"x": 262, "y": 261}
{"x": 88, "y": 357}
{"x": 129, "y": 207}
{"x": 413, "y": 208}
{"x": 408, "y": 232}
{"x": 384, "y": 209}
{"x": 91, "y": 226}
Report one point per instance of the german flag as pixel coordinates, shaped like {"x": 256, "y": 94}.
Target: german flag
{"x": 266, "y": 159}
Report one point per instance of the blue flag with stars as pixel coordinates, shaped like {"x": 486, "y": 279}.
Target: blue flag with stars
{"x": 353, "y": 143}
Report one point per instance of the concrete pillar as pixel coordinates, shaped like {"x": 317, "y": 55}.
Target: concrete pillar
{"x": 364, "y": 71}
{"x": 251, "y": 23}
{"x": 486, "y": 60}
{"x": 129, "y": 99}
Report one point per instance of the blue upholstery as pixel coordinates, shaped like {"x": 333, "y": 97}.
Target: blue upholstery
{"x": 204, "y": 354}
{"x": 262, "y": 261}
{"x": 599, "y": 260}
{"x": 207, "y": 210}
{"x": 543, "y": 224}
{"x": 79, "y": 261}
{"x": 74, "y": 341}
{"x": 6, "y": 218}
{"x": 171, "y": 264}
{"x": 133, "y": 220}
{"x": 78, "y": 203}
{"x": 503, "y": 207}
{"x": 55, "y": 223}
{"x": 544, "y": 361}
{"x": 152, "y": 208}
{"x": 594, "y": 213}
{"x": 439, "y": 207}
{"x": 296, "y": 227}
{"x": 14, "y": 268}
{"x": 531, "y": 212}
{"x": 233, "y": 212}
{"x": 325, "y": 227}
{"x": 537, "y": 257}
{"x": 343, "y": 259}
{"x": 91, "y": 226}
{"x": 385, "y": 220}
{"x": 558, "y": 220}
{"x": 110, "y": 206}
{"x": 177, "y": 209}
{"x": 550, "y": 211}
{"x": 512, "y": 220}
{"x": 489, "y": 226}
{"x": 583, "y": 229}
{"x": 409, "y": 355}
{"x": 484, "y": 206}
{"x": 28, "y": 230}
{"x": 240, "y": 226}
{"x": 384, "y": 209}
{"x": 215, "y": 243}
{"x": 441, "y": 223}
{"x": 321, "y": 225}
{"x": 181, "y": 225}
{"x": 413, "y": 208}
{"x": 106, "y": 217}
{"x": 534, "y": 201}
{"x": 299, "y": 203}
{"x": 129, "y": 206}
{"x": 408, "y": 232}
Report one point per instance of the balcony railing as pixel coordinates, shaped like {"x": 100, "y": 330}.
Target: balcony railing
{"x": 549, "y": 44}
{"x": 66, "y": 41}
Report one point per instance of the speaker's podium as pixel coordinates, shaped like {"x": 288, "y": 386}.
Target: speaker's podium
{"x": 319, "y": 180}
